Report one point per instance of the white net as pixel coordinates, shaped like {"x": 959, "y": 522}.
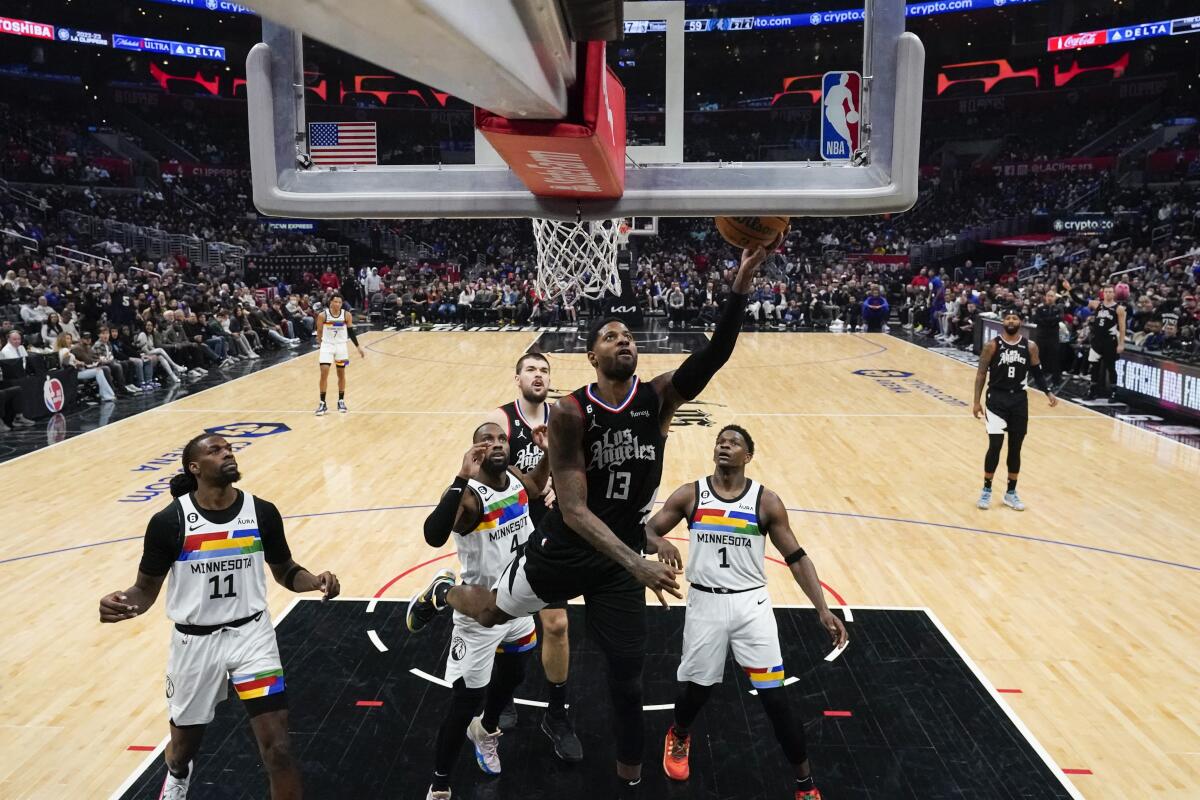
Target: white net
{"x": 578, "y": 259}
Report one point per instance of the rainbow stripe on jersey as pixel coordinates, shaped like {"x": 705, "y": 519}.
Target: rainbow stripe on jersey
{"x": 721, "y": 520}
{"x": 763, "y": 678}
{"x": 220, "y": 544}
{"x": 522, "y": 645}
{"x": 506, "y": 509}
{"x": 259, "y": 684}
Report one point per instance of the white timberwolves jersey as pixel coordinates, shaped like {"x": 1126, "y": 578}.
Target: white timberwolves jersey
{"x": 335, "y": 331}
{"x": 218, "y": 576}
{"x": 727, "y": 546}
{"x": 504, "y": 526}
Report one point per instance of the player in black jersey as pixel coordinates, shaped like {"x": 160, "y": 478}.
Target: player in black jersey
{"x": 1006, "y": 364}
{"x": 606, "y": 449}
{"x": 1108, "y": 341}
{"x": 519, "y": 418}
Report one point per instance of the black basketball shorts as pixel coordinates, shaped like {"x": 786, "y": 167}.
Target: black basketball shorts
{"x": 1007, "y": 412}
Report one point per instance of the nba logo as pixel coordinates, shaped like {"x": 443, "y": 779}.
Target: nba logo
{"x": 840, "y": 115}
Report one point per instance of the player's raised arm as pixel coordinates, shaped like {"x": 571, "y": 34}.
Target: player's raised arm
{"x": 570, "y": 483}
{"x": 779, "y": 527}
{"x": 683, "y": 384}
{"x": 458, "y": 510}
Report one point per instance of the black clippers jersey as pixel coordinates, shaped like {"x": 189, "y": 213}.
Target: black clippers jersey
{"x": 522, "y": 452}
{"x": 622, "y": 453}
{"x": 1009, "y": 370}
{"x": 1104, "y": 324}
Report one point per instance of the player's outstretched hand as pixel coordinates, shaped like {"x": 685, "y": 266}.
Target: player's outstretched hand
{"x": 977, "y": 410}
{"x": 835, "y": 628}
{"x": 473, "y": 460}
{"x": 113, "y": 608}
{"x": 667, "y": 553}
{"x": 657, "y": 577}
{"x": 327, "y": 582}
{"x": 541, "y": 437}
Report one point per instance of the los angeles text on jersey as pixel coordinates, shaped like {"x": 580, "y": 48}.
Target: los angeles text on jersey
{"x": 1011, "y": 357}
{"x": 224, "y": 565}
{"x": 617, "y": 447}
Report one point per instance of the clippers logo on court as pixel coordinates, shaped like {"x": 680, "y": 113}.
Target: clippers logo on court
{"x": 840, "y": 115}
{"x": 241, "y": 434}
{"x": 53, "y": 394}
{"x": 248, "y": 430}
{"x": 898, "y": 381}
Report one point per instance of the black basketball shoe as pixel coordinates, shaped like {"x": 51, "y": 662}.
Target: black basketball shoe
{"x": 426, "y": 604}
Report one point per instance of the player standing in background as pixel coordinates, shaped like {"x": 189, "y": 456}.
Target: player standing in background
{"x": 487, "y": 510}
{"x": 214, "y": 539}
{"x": 1005, "y": 364}
{"x": 334, "y": 326}
{"x": 1108, "y": 342}
{"x": 729, "y": 517}
{"x": 606, "y": 451}
{"x": 519, "y": 418}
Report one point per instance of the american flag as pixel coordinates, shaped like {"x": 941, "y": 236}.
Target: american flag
{"x": 339, "y": 144}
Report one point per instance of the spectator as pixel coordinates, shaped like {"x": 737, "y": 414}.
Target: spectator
{"x": 146, "y": 345}
{"x": 675, "y": 306}
{"x": 875, "y": 311}
{"x": 13, "y": 348}
{"x": 141, "y": 368}
{"x": 85, "y": 370}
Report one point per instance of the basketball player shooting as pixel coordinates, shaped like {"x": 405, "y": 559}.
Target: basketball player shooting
{"x": 334, "y": 326}
{"x": 213, "y": 540}
{"x": 729, "y": 517}
{"x": 528, "y": 411}
{"x": 1005, "y": 365}
{"x": 606, "y": 450}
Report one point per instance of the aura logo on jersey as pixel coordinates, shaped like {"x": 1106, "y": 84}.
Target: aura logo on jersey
{"x": 900, "y": 382}
{"x": 242, "y": 434}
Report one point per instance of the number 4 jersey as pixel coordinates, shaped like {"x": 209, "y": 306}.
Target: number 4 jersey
{"x": 216, "y": 559}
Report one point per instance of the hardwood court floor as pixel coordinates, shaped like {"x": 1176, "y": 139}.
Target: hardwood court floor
{"x": 1086, "y": 602}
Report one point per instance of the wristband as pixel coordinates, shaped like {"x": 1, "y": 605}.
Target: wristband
{"x": 796, "y": 556}
{"x": 289, "y": 579}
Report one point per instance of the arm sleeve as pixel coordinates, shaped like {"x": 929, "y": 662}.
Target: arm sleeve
{"x": 440, "y": 521}
{"x": 350, "y": 333}
{"x": 162, "y": 543}
{"x": 695, "y": 373}
{"x": 270, "y": 529}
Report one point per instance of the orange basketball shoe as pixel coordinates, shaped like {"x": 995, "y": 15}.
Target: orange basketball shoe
{"x": 675, "y": 756}
{"x": 808, "y": 794}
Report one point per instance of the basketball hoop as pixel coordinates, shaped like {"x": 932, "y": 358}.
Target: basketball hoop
{"x": 579, "y": 258}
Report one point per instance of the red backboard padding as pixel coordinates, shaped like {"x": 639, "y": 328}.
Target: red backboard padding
{"x": 580, "y": 157}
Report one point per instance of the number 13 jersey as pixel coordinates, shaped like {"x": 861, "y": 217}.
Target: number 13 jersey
{"x": 726, "y": 546}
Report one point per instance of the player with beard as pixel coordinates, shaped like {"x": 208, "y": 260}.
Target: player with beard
{"x": 519, "y": 418}
{"x": 606, "y": 451}
{"x": 1006, "y": 364}
{"x": 487, "y": 510}
{"x": 214, "y": 539}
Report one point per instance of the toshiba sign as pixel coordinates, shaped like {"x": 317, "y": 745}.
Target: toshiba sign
{"x": 23, "y": 27}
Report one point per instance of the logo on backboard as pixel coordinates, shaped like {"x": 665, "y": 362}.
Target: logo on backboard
{"x": 841, "y": 109}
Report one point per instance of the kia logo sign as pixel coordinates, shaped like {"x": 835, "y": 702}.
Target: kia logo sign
{"x": 53, "y": 394}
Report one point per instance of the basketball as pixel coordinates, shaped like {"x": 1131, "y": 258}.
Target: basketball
{"x": 1121, "y": 291}
{"x": 750, "y": 232}
{"x": 852, "y": 117}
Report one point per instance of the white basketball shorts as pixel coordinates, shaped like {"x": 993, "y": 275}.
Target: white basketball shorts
{"x": 473, "y": 647}
{"x": 200, "y": 667}
{"x": 743, "y": 621}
